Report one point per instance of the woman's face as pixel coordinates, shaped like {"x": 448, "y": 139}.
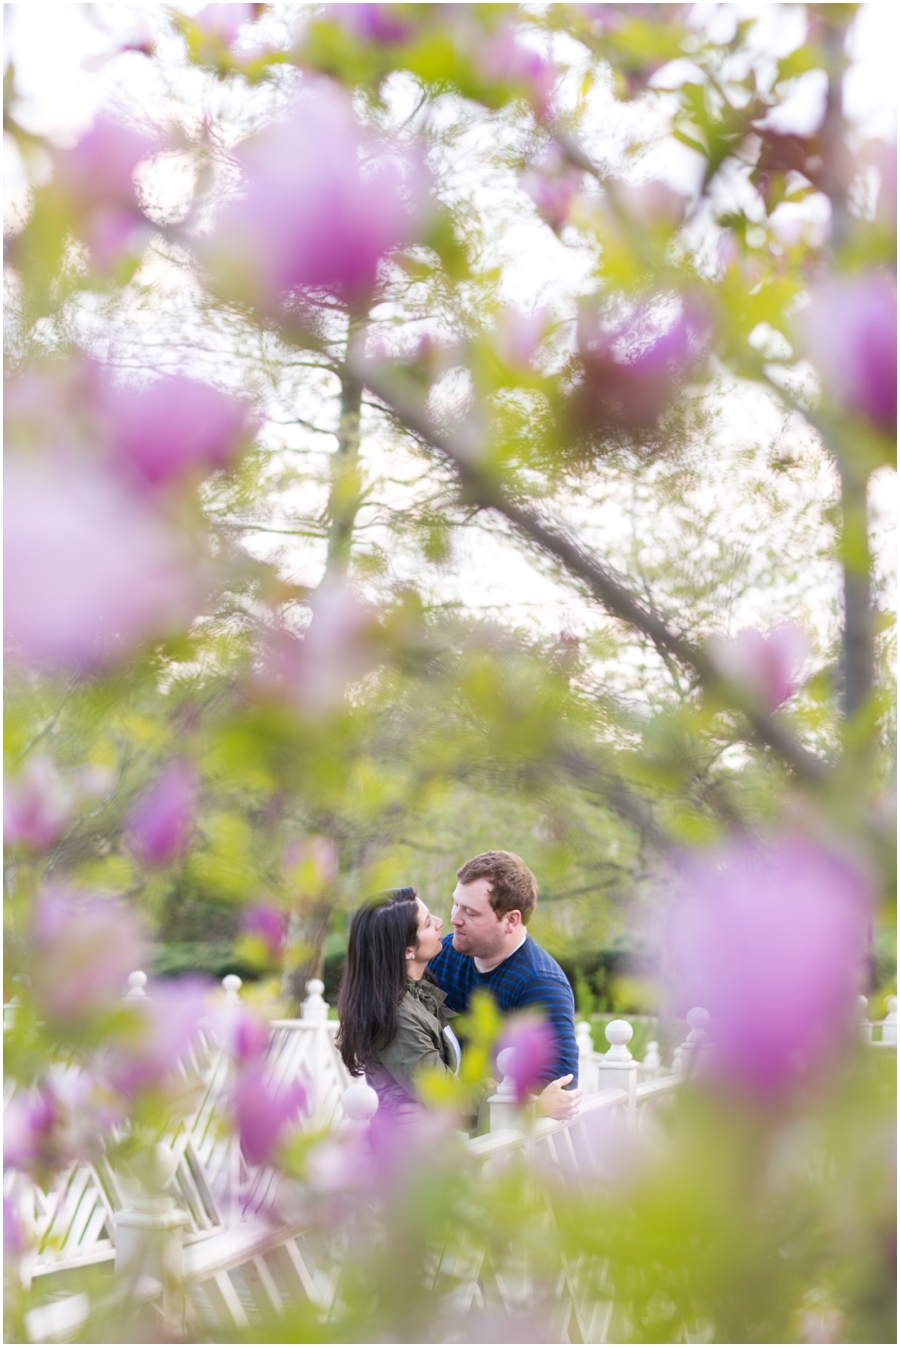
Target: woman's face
{"x": 429, "y": 934}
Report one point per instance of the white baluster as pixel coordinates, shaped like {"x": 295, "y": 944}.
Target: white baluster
{"x": 360, "y": 1104}
{"x": 865, "y": 1026}
{"x": 315, "y": 1007}
{"x": 617, "y": 1069}
{"x": 678, "y": 1060}
{"x": 137, "y": 981}
{"x": 150, "y": 1232}
{"x": 889, "y": 1025}
{"x": 587, "y": 1068}
{"x": 503, "y": 1108}
{"x": 697, "y": 1041}
{"x": 651, "y": 1063}
{"x": 232, "y": 984}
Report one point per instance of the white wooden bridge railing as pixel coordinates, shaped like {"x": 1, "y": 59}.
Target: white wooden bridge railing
{"x": 213, "y": 1254}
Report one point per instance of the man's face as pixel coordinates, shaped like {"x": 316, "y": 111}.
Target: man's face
{"x": 477, "y": 930}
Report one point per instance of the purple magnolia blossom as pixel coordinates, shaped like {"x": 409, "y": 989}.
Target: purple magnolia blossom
{"x": 850, "y": 333}
{"x": 336, "y": 649}
{"x": 167, "y": 1026}
{"x": 97, "y": 175}
{"x": 81, "y": 950}
{"x": 160, "y": 824}
{"x": 772, "y": 942}
{"x": 768, "y": 666}
{"x": 530, "y": 1045}
{"x": 90, "y": 569}
{"x": 224, "y": 22}
{"x": 651, "y": 203}
{"x": 519, "y": 335}
{"x": 36, "y": 806}
{"x": 312, "y": 863}
{"x": 175, "y": 428}
{"x": 553, "y": 185}
{"x": 324, "y": 201}
{"x": 267, "y": 923}
{"x": 29, "y": 1133}
{"x": 504, "y": 59}
{"x": 372, "y": 22}
{"x": 264, "y": 1113}
{"x": 632, "y": 370}
{"x": 242, "y": 1034}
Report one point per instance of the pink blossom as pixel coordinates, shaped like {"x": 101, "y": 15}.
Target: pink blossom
{"x": 632, "y": 369}
{"x": 531, "y": 1044}
{"x": 90, "y": 569}
{"x": 371, "y": 22}
{"x": 312, "y": 863}
{"x": 36, "y": 806}
{"x": 772, "y": 942}
{"x": 81, "y": 950}
{"x": 242, "y": 1034}
{"x": 504, "y": 59}
{"x": 324, "y": 201}
{"x": 29, "y": 1140}
{"x": 222, "y": 23}
{"x": 160, "y": 824}
{"x": 99, "y": 170}
{"x": 168, "y": 1024}
{"x": 553, "y": 185}
{"x": 337, "y": 648}
{"x": 267, "y": 923}
{"x": 519, "y": 335}
{"x": 175, "y": 428}
{"x": 850, "y": 331}
{"x": 264, "y": 1113}
{"x": 651, "y": 203}
{"x": 767, "y": 666}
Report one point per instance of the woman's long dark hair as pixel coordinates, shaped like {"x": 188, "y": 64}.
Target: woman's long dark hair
{"x": 375, "y": 976}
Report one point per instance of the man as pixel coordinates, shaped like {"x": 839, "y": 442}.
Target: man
{"x": 490, "y": 948}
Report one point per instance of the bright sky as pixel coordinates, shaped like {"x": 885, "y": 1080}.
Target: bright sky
{"x": 63, "y": 74}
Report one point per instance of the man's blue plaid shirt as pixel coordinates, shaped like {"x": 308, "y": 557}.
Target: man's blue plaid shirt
{"x": 528, "y": 978}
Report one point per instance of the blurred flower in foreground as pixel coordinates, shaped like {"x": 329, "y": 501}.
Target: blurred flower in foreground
{"x": 174, "y": 428}
{"x": 336, "y": 648}
{"x": 36, "y": 805}
{"x": 222, "y": 23}
{"x": 632, "y": 369}
{"x": 371, "y": 22}
{"x": 159, "y": 825}
{"x": 553, "y": 184}
{"x": 311, "y": 864}
{"x": 81, "y": 950}
{"x": 650, "y": 203}
{"x": 504, "y": 59}
{"x": 323, "y": 202}
{"x": 97, "y": 175}
{"x": 531, "y": 1047}
{"x": 850, "y": 332}
{"x": 167, "y": 1025}
{"x": 263, "y": 933}
{"x": 90, "y": 570}
{"x": 264, "y": 1113}
{"x": 63, "y": 1120}
{"x": 767, "y": 666}
{"x": 772, "y": 942}
{"x": 519, "y": 335}
{"x": 239, "y": 1031}
{"x": 29, "y": 1133}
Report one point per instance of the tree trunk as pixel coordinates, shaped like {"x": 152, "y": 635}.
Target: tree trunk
{"x": 857, "y": 645}
{"x": 308, "y": 930}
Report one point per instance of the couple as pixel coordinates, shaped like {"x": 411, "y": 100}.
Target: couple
{"x": 403, "y": 983}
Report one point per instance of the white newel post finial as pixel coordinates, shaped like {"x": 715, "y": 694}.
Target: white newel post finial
{"x": 137, "y": 982}
{"x": 865, "y": 1026}
{"x": 232, "y": 984}
{"x": 360, "y": 1104}
{"x": 696, "y": 1043}
{"x": 503, "y": 1108}
{"x": 889, "y": 1025}
{"x": 315, "y": 1007}
{"x": 587, "y": 1068}
{"x": 617, "y": 1069}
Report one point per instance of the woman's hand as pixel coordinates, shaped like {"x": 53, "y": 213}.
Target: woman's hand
{"x": 555, "y": 1101}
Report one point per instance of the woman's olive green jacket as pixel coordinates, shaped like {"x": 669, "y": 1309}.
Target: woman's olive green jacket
{"x": 420, "y": 1041}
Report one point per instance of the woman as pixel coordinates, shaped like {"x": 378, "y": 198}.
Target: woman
{"x": 391, "y": 1011}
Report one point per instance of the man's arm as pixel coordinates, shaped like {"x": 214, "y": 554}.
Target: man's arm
{"x": 555, "y": 1001}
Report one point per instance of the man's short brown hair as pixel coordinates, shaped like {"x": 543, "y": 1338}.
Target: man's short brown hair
{"x": 513, "y": 886}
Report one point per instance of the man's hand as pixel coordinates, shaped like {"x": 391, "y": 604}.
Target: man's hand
{"x": 555, "y": 1101}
